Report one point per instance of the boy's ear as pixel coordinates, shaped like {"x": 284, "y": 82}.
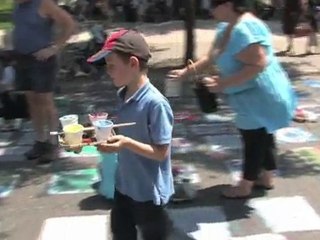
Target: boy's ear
{"x": 134, "y": 62}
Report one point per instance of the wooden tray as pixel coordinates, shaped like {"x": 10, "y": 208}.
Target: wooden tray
{"x": 77, "y": 147}
{"x": 86, "y": 129}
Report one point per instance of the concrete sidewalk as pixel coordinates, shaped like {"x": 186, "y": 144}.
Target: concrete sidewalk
{"x": 57, "y": 202}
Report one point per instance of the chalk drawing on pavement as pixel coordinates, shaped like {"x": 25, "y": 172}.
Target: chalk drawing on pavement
{"x": 181, "y": 146}
{"x": 71, "y": 182}
{"x": 218, "y": 117}
{"x": 213, "y": 128}
{"x": 8, "y": 183}
{"x": 179, "y": 130}
{"x": 5, "y": 139}
{"x": 224, "y": 141}
{"x": 312, "y": 83}
{"x": 294, "y": 135}
{"x": 310, "y": 155}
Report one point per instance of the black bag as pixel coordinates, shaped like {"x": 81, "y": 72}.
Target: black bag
{"x": 207, "y": 100}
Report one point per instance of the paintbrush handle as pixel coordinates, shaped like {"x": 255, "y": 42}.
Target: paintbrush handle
{"x": 92, "y": 128}
{"x": 123, "y": 124}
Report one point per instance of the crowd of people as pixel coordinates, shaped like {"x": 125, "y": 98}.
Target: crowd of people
{"x": 298, "y": 12}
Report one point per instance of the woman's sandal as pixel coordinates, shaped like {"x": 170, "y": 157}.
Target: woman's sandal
{"x": 263, "y": 186}
{"x": 235, "y": 192}
{"x": 259, "y": 184}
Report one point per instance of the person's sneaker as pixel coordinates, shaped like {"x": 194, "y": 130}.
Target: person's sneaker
{"x": 37, "y": 150}
{"x": 50, "y": 154}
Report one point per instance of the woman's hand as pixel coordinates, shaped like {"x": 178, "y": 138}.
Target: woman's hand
{"x": 213, "y": 83}
{"x": 45, "y": 53}
{"x": 177, "y": 74}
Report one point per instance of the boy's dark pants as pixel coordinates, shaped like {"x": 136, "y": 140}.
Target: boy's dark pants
{"x": 150, "y": 219}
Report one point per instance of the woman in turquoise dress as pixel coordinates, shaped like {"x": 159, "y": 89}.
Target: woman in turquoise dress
{"x": 257, "y": 89}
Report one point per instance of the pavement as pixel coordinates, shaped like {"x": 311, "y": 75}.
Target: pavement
{"x": 57, "y": 201}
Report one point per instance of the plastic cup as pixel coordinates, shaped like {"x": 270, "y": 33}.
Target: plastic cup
{"x": 97, "y": 116}
{"x": 103, "y": 129}
{"x": 69, "y": 120}
{"x": 73, "y": 134}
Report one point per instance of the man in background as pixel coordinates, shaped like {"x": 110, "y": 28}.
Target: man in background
{"x": 36, "y": 49}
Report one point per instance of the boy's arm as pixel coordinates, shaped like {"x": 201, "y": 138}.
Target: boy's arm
{"x": 160, "y": 128}
{"x": 118, "y": 142}
{"x": 155, "y": 152}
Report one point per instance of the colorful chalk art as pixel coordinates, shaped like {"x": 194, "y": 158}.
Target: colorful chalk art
{"x": 71, "y": 182}
{"x": 8, "y": 183}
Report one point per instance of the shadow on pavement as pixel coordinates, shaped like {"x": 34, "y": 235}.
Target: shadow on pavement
{"x": 95, "y": 202}
{"x": 209, "y": 197}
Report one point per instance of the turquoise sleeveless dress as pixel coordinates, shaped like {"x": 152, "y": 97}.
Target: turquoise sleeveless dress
{"x": 267, "y": 101}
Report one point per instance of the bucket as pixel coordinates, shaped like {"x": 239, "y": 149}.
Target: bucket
{"x": 108, "y": 166}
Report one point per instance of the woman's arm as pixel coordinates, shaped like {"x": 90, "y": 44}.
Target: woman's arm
{"x": 155, "y": 152}
{"x": 62, "y": 19}
{"x": 254, "y": 59}
{"x": 204, "y": 62}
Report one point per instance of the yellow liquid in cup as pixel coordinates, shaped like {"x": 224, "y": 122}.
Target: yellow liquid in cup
{"x": 73, "y": 134}
{"x": 73, "y": 128}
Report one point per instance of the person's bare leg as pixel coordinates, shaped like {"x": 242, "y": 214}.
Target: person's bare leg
{"x": 37, "y": 114}
{"x": 51, "y": 116}
{"x": 37, "y": 110}
{"x": 290, "y": 49}
{"x": 49, "y": 121}
{"x": 312, "y": 44}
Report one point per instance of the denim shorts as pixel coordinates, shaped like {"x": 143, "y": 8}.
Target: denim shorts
{"x": 34, "y": 75}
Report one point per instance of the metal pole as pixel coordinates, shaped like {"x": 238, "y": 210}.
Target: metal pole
{"x": 189, "y": 26}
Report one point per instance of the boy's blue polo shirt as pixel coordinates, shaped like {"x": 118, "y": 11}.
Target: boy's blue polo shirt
{"x": 138, "y": 177}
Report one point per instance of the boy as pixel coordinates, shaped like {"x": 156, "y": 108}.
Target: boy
{"x": 144, "y": 182}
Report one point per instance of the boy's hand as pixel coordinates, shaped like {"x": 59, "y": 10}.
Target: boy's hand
{"x": 45, "y": 53}
{"x": 114, "y": 144}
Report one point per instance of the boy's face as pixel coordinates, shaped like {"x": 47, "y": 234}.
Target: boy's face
{"x": 121, "y": 73}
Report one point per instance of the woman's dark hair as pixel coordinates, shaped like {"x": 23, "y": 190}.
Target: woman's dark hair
{"x": 239, "y": 6}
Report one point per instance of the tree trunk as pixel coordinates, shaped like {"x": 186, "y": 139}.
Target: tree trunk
{"x": 189, "y": 26}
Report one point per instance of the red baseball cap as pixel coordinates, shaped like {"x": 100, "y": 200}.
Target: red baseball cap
{"x": 126, "y": 41}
